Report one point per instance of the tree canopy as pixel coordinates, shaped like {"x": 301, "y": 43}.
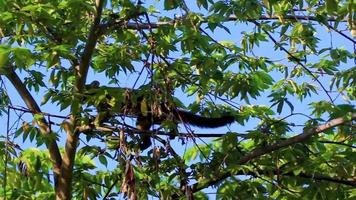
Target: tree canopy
{"x": 75, "y": 77}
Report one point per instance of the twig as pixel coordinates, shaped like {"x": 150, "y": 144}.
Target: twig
{"x": 341, "y": 33}
{"x": 6, "y": 151}
{"x": 111, "y": 187}
{"x": 26, "y": 96}
{"x": 154, "y": 25}
{"x": 33, "y": 112}
{"x": 338, "y": 143}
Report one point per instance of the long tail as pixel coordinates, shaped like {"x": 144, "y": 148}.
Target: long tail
{"x": 204, "y": 122}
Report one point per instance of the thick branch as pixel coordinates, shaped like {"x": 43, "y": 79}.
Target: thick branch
{"x": 23, "y": 92}
{"x": 66, "y": 175}
{"x": 89, "y": 48}
{"x": 43, "y": 124}
{"x": 65, "y": 180}
{"x": 257, "y": 152}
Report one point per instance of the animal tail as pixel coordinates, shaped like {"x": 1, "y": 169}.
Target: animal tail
{"x": 204, "y": 122}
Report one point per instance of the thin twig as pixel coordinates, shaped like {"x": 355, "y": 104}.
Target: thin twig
{"x": 154, "y": 25}
{"x": 111, "y": 187}
{"x": 5, "y": 151}
{"x": 33, "y": 112}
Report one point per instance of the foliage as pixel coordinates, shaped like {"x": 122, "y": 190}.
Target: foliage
{"x": 281, "y": 68}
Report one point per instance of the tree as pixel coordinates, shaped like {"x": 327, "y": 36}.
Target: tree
{"x": 283, "y": 69}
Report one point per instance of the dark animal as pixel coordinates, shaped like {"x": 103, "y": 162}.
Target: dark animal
{"x": 111, "y": 100}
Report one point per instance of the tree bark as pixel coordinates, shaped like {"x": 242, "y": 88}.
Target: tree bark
{"x": 64, "y": 185}
{"x": 31, "y": 104}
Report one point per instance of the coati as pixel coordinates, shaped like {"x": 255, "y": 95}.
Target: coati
{"x": 111, "y": 100}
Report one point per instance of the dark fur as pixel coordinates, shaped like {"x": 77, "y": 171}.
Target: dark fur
{"x": 185, "y": 117}
{"x": 204, "y": 122}
{"x": 144, "y": 123}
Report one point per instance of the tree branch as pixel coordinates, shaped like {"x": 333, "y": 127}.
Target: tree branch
{"x": 320, "y": 177}
{"x": 338, "y": 143}
{"x": 134, "y": 130}
{"x": 34, "y": 112}
{"x": 314, "y": 176}
{"x": 154, "y": 25}
{"x": 108, "y": 192}
{"x": 257, "y": 152}
{"x": 30, "y": 102}
{"x": 66, "y": 176}
{"x": 94, "y": 34}
{"x": 341, "y": 33}
{"x": 134, "y": 25}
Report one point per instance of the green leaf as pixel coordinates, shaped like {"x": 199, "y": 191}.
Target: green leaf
{"x": 23, "y": 57}
{"x": 203, "y": 3}
{"x": 25, "y": 134}
{"x": 33, "y": 133}
{"x": 38, "y": 116}
{"x": 171, "y": 4}
{"x": 4, "y": 58}
{"x": 18, "y": 132}
{"x": 190, "y": 154}
{"x": 290, "y": 105}
{"x": 103, "y": 160}
{"x": 46, "y": 97}
{"x": 280, "y": 107}
{"x": 297, "y": 171}
{"x": 331, "y": 6}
